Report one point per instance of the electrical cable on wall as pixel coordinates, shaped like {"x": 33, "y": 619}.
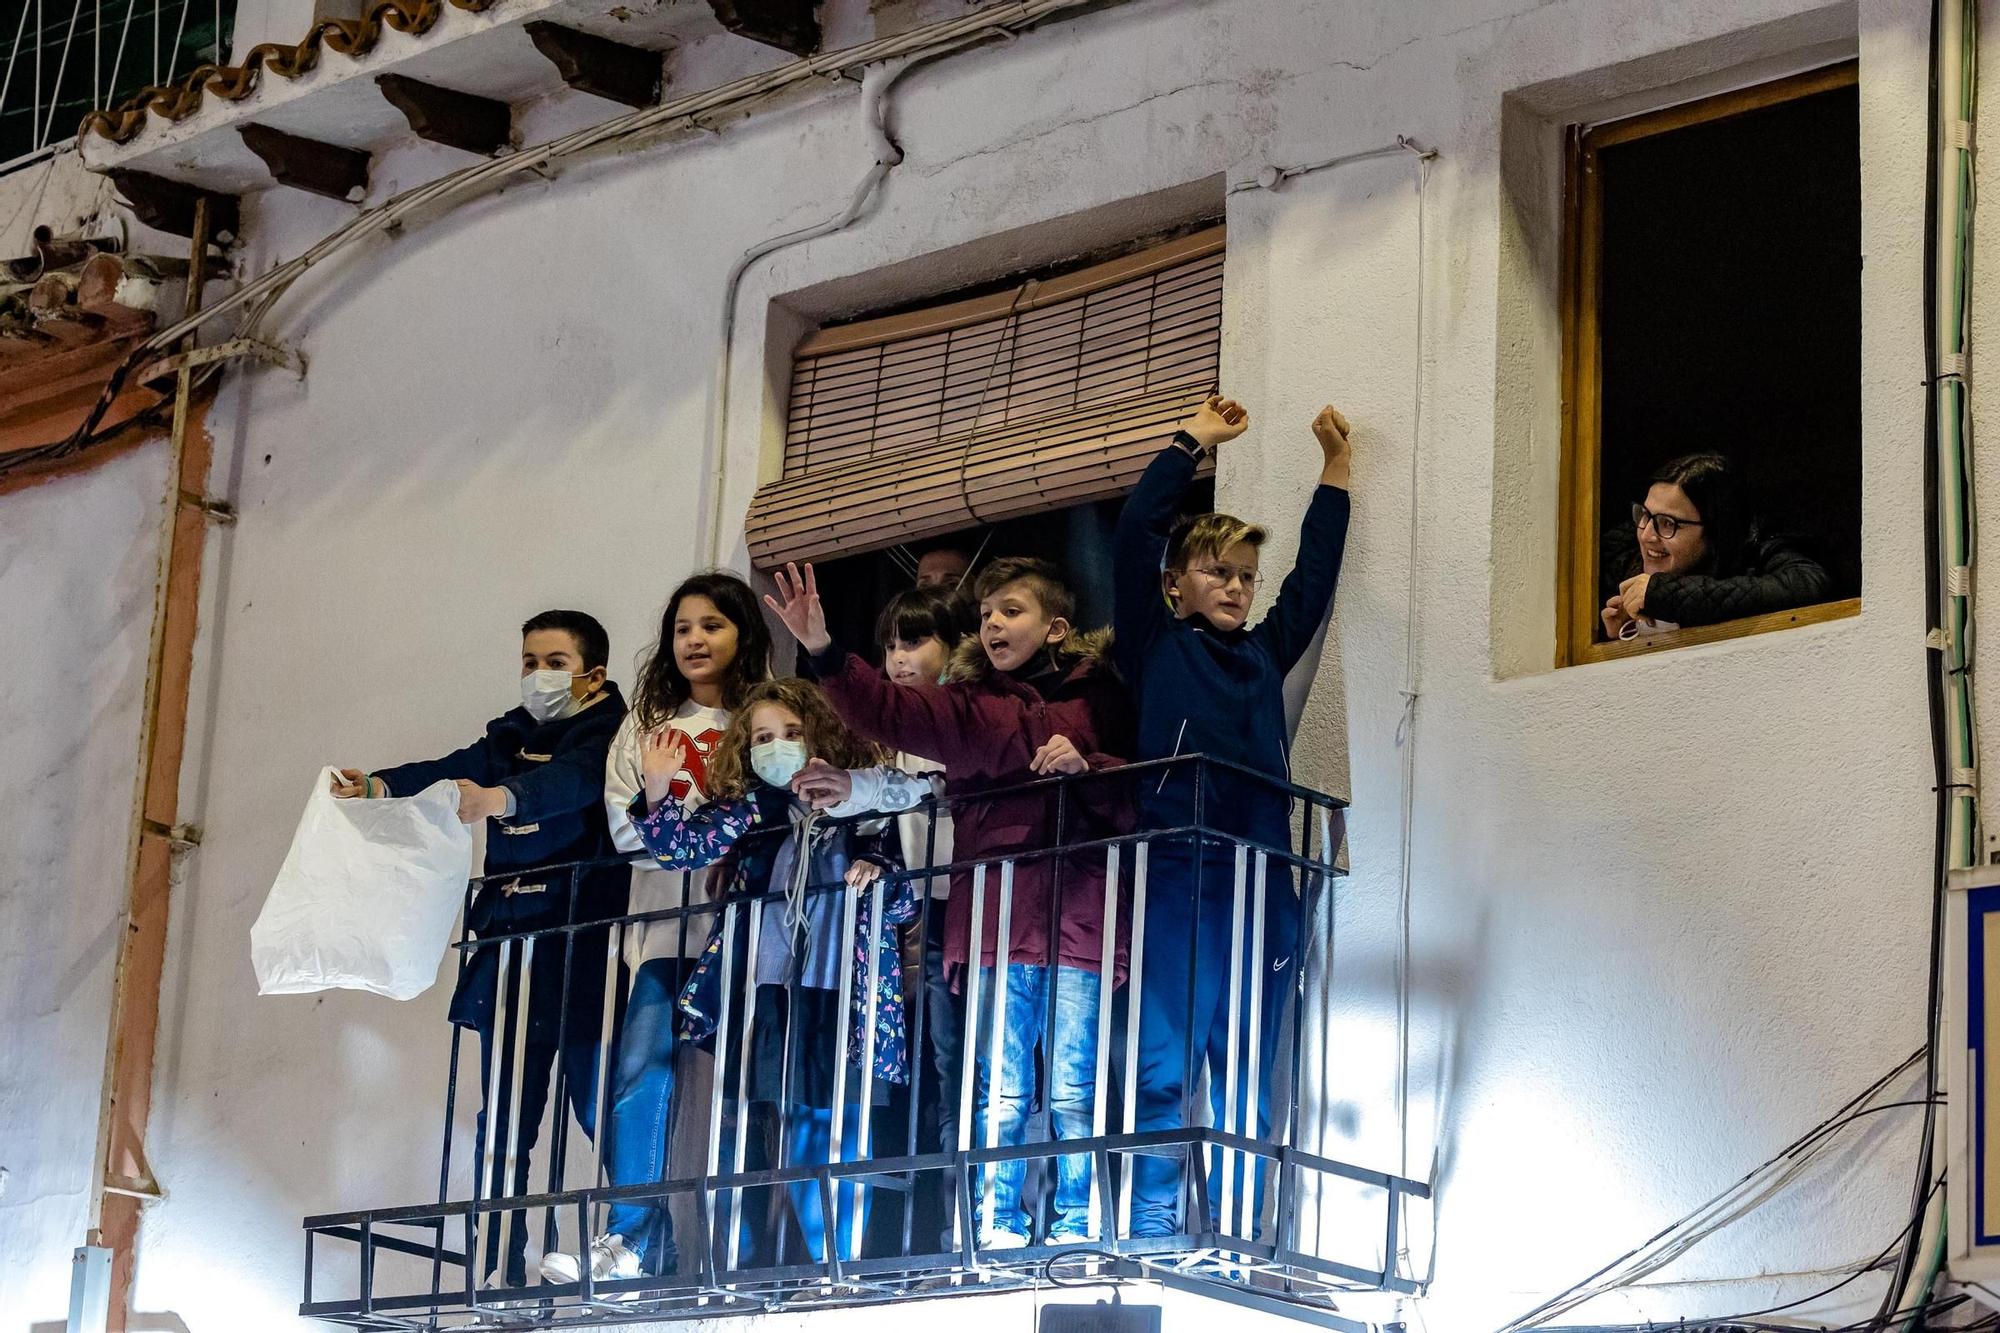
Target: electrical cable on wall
{"x": 1746, "y": 1194}
{"x": 1949, "y": 566}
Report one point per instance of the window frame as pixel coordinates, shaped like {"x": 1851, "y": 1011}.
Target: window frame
{"x": 1580, "y": 529}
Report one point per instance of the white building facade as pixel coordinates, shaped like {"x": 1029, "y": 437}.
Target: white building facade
{"x": 1665, "y": 914}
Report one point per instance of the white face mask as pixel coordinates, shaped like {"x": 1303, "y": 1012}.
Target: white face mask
{"x": 778, "y": 762}
{"x": 546, "y": 695}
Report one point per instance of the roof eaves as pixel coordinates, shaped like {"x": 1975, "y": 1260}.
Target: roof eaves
{"x": 182, "y": 98}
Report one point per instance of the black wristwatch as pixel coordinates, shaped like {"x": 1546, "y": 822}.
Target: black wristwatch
{"x": 1189, "y": 445}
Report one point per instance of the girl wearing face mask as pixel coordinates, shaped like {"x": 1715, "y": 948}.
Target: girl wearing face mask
{"x": 771, "y": 851}
{"x": 1694, "y": 554}
{"x": 712, "y": 649}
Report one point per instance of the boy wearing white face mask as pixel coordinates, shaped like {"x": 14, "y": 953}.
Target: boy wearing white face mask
{"x": 537, "y": 777}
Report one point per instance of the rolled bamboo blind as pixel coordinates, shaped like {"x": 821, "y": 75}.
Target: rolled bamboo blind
{"x": 1052, "y": 394}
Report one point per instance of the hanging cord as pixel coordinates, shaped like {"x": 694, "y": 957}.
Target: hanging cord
{"x": 1406, "y": 727}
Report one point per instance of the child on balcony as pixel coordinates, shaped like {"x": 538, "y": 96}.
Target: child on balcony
{"x": 1206, "y": 684}
{"x": 764, "y": 840}
{"x": 713, "y": 647}
{"x": 537, "y": 778}
{"x": 1027, "y": 699}
{"x": 918, "y": 631}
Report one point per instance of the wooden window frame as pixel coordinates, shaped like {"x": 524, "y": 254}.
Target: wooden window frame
{"x": 1580, "y": 528}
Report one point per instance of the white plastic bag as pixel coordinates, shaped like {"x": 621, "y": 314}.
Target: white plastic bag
{"x": 367, "y": 895}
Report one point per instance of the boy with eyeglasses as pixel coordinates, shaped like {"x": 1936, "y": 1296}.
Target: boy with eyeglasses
{"x": 1206, "y": 683}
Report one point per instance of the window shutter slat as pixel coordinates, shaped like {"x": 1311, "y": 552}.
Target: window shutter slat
{"x": 1055, "y": 393}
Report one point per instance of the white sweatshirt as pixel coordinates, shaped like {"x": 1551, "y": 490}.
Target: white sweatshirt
{"x": 874, "y": 792}
{"x": 653, "y": 888}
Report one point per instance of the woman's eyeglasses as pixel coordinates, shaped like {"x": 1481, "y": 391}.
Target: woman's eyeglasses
{"x": 1664, "y": 524}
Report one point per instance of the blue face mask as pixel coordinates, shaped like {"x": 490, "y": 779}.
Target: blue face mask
{"x": 778, "y": 762}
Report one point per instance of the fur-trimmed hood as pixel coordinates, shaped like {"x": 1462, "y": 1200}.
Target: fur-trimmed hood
{"x": 1086, "y": 652}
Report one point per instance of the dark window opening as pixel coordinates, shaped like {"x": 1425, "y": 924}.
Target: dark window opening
{"x": 1715, "y": 306}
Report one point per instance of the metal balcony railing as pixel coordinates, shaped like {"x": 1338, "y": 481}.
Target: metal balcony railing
{"x": 62, "y": 59}
{"x": 884, "y": 1201}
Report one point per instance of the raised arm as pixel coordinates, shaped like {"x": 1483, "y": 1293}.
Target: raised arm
{"x": 924, "y": 719}
{"x": 920, "y": 719}
{"x": 1301, "y": 604}
{"x": 1139, "y": 611}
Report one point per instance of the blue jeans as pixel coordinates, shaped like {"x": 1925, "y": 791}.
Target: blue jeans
{"x": 642, "y": 1095}
{"x": 1070, "y": 1041}
{"x": 1172, "y": 1047}
{"x": 809, "y": 1140}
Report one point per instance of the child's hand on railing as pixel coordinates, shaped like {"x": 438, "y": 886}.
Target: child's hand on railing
{"x": 821, "y": 785}
{"x": 863, "y": 873}
{"x": 662, "y": 757}
{"x": 801, "y": 610}
{"x": 1060, "y": 755}
{"x": 1219, "y": 421}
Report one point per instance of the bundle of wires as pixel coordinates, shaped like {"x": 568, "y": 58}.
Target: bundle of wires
{"x": 1748, "y": 1193}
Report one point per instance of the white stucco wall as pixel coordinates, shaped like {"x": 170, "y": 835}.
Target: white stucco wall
{"x": 1667, "y": 914}
{"x": 71, "y": 718}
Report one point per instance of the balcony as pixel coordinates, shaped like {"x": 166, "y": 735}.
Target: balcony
{"x": 883, "y": 1203}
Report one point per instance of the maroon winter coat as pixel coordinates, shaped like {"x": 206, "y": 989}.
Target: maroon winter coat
{"x": 984, "y": 727}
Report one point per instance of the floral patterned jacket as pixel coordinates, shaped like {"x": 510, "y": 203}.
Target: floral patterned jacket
{"x": 743, "y": 837}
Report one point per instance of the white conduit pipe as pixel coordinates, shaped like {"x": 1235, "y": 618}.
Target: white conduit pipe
{"x": 875, "y": 84}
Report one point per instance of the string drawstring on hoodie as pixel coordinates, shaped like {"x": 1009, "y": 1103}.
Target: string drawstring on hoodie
{"x": 804, "y": 836}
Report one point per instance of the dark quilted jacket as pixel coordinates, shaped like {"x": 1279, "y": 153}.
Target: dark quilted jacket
{"x": 1775, "y": 574}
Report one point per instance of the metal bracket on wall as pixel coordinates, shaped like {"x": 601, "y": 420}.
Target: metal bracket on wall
{"x": 147, "y": 1188}
{"x": 219, "y": 512}
{"x": 271, "y": 354}
{"x": 180, "y": 838}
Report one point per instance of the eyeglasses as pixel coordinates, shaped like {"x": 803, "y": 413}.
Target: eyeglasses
{"x": 1664, "y": 524}
{"x": 1224, "y": 575}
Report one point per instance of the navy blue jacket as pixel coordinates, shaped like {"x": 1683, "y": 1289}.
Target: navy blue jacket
{"x": 555, "y": 771}
{"x": 1205, "y": 691}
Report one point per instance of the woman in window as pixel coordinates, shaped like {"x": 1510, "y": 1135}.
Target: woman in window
{"x": 1695, "y": 555}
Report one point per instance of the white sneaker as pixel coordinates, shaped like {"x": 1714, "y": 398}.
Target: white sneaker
{"x": 1004, "y": 1240}
{"x": 609, "y": 1262}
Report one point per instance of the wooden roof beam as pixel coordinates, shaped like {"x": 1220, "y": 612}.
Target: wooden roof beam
{"x": 789, "y": 25}
{"x": 309, "y": 165}
{"x": 459, "y": 120}
{"x": 168, "y": 206}
{"x": 601, "y": 67}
